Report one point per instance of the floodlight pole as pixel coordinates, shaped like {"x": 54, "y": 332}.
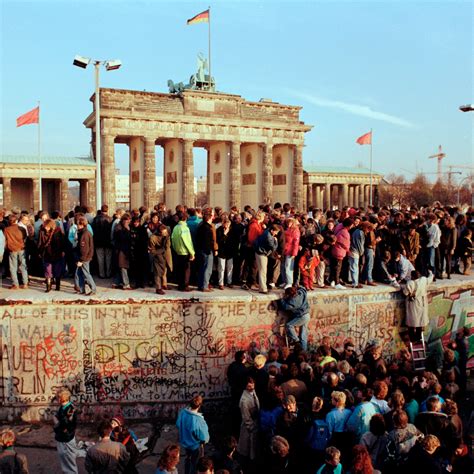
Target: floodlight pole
{"x": 98, "y": 172}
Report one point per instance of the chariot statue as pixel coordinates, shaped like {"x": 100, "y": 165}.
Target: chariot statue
{"x": 198, "y": 81}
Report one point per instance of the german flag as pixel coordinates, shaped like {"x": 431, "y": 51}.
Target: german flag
{"x": 202, "y": 17}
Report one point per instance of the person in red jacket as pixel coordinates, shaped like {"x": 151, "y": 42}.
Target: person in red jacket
{"x": 339, "y": 251}
{"x": 85, "y": 252}
{"x": 292, "y": 246}
{"x": 308, "y": 263}
{"x": 254, "y": 230}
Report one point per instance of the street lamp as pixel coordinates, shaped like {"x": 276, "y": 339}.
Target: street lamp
{"x": 110, "y": 65}
{"x": 467, "y": 108}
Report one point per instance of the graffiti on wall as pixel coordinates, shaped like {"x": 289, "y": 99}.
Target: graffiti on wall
{"x": 140, "y": 355}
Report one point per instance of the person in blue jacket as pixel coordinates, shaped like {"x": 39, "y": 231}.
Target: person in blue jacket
{"x": 295, "y": 302}
{"x": 193, "y": 432}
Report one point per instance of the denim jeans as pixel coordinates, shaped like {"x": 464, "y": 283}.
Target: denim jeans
{"x": 205, "y": 270}
{"x": 104, "y": 261}
{"x": 83, "y": 276}
{"x": 430, "y": 259}
{"x": 296, "y": 322}
{"x": 354, "y": 268}
{"x": 18, "y": 259}
{"x": 369, "y": 265}
{"x": 225, "y": 268}
{"x": 288, "y": 270}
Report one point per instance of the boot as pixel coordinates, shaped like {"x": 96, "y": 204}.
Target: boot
{"x": 48, "y": 285}
{"x": 58, "y": 284}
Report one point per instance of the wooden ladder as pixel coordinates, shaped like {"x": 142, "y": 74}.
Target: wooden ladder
{"x": 418, "y": 353}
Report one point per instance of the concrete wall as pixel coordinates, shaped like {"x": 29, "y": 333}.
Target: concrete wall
{"x": 146, "y": 358}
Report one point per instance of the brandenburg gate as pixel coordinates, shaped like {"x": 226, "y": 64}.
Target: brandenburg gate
{"x": 254, "y": 149}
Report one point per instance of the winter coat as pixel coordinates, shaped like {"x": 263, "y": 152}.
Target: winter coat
{"x": 123, "y": 244}
{"x": 51, "y": 245}
{"x": 181, "y": 239}
{"x": 102, "y": 225}
{"x": 193, "y": 430}
{"x": 160, "y": 250}
{"x": 85, "y": 245}
{"x": 227, "y": 243}
{"x": 15, "y": 238}
{"x": 357, "y": 242}
{"x": 249, "y": 409}
{"x": 254, "y": 230}
{"x": 298, "y": 305}
{"x": 292, "y": 242}
{"x": 416, "y": 303}
{"x": 342, "y": 245}
{"x": 206, "y": 238}
{"x": 265, "y": 244}
{"x": 448, "y": 239}
{"x": 411, "y": 245}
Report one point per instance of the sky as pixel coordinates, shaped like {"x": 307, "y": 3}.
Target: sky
{"x": 400, "y": 68}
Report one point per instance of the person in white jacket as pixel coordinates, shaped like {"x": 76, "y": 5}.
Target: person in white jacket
{"x": 416, "y": 304}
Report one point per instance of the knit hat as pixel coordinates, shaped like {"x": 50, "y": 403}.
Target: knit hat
{"x": 119, "y": 420}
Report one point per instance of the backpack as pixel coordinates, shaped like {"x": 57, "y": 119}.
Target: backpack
{"x": 318, "y": 435}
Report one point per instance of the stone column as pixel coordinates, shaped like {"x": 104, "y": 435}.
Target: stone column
{"x": 366, "y": 195}
{"x": 267, "y": 174}
{"x": 350, "y": 196}
{"x": 149, "y": 173}
{"x": 108, "y": 171}
{"x": 317, "y": 194}
{"x": 7, "y": 193}
{"x": 64, "y": 197}
{"x": 345, "y": 194}
{"x": 361, "y": 195}
{"x": 298, "y": 177}
{"x": 234, "y": 176}
{"x": 91, "y": 194}
{"x": 84, "y": 193}
{"x": 356, "y": 196}
{"x": 36, "y": 199}
{"x": 209, "y": 178}
{"x": 188, "y": 174}
{"x": 340, "y": 196}
{"x": 327, "y": 196}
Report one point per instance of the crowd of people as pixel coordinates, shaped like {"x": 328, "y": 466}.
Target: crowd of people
{"x": 273, "y": 246}
{"x": 326, "y": 412}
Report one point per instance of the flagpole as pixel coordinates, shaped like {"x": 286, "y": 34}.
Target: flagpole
{"x": 39, "y": 160}
{"x": 371, "y": 141}
{"x": 209, "y": 24}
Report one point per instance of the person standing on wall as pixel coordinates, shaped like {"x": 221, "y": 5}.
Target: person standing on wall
{"x": 15, "y": 238}
{"x": 84, "y": 252}
{"x": 264, "y": 246}
{"x": 206, "y": 246}
{"x": 182, "y": 244}
{"x": 65, "y": 422}
{"x": 102, "y": 226}
{"x": 193, "y": 433}
{"x": 416, "y": 302}
{"x": 295, "y": 302}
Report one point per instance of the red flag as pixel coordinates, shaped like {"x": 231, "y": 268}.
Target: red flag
{"x": 30, "y": 117}
{"x": 365, "y": 139}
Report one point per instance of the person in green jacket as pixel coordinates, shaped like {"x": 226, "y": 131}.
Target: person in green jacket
{"x": 182, "y": 244}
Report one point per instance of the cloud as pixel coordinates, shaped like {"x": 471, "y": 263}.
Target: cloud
{"x": 355, "y": 109}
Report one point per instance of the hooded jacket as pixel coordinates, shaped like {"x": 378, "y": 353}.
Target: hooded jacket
{"x": 192, "y": 427}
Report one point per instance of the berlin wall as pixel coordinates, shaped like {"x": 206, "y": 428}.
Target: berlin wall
{"x": 146, "y": 359}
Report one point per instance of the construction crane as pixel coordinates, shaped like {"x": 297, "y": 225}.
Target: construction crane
{"x": 440, "y": 155}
